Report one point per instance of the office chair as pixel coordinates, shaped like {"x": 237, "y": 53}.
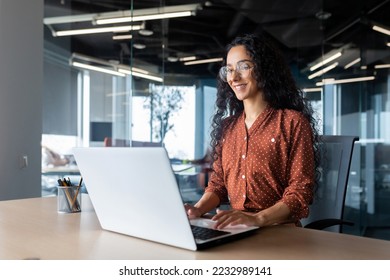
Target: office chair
{"x": 326, "y": 212}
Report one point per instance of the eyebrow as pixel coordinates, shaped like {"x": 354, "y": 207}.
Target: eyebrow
{"x": 244, "y": 60}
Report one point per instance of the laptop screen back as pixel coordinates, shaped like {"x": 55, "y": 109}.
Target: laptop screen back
{"x": 134, "y": 192}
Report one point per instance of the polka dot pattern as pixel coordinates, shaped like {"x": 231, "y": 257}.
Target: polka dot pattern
{"x": 272, "y": 161}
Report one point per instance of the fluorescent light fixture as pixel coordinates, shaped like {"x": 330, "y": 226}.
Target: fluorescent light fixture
{"x": 201, "y": 61}
{"x": 388, "y": 44}
{"x": 381, "y": 66}
{"x": 139, "y": 46}
{"x": 68, "y": 19}
{"x": 325, "y": 61}
{"x": 353, "y": 62}
{"x": 187, "y": 58}
{"x": 326, "y": 81}
{"x": 141, "y": 75}
{"x": 381, "y": 29}
{"x": 140, "y": 70}
{"x": 119, "y": 14}
{"x": 98, "y": 69}
{"x": 323, "y": 71}
{"x": 122, "y": 37}
{"x": 172, "y": 58}
{"x": 315, "y": 89}
{"x": 125, "y": 28}
{"x": 147, "y": 14}
{"x": 146, "y": 32}
{"x": 144, "y": 17}
{"x": 344, "y": 81}
{"x": 116, "y": 68}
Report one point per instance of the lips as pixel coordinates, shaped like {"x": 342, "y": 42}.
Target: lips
{"x": 239, "y": 87}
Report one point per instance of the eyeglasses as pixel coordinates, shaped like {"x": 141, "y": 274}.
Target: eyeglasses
{"x": 242, "y": 68}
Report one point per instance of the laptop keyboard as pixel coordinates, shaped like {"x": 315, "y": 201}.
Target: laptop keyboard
{"x": 203, "y": 233}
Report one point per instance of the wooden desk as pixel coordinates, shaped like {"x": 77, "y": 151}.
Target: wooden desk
{"x": 32, "y": 228}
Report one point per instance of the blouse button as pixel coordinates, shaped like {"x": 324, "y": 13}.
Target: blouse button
{"x": 243, "y": 156}
{"x": 273, "y": 140}
{"x": 243, "y": 176}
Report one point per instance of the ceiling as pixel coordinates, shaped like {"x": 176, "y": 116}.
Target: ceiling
{"x": 305, "y": 30}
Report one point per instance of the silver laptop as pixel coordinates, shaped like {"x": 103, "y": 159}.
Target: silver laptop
{"x": 134, "y": 192}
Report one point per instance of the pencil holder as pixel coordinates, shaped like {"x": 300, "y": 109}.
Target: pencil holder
{"x": 69, "y": 199}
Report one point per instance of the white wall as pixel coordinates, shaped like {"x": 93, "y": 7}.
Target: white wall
{"x": 21, "y": 49}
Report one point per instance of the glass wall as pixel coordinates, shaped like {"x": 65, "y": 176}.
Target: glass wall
{"x": 93, "y": 101}
{"x": 368, "y": 189}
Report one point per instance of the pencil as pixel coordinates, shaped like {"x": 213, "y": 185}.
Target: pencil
{"x": 74, "y": 201}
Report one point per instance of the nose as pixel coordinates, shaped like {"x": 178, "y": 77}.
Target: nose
{"x": 235, "y": 75}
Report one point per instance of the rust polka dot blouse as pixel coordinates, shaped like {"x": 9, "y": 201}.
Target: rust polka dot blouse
{"x": 272, "y": 161}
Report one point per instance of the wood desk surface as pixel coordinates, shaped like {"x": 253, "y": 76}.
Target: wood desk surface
{"x": 32, "y": 229}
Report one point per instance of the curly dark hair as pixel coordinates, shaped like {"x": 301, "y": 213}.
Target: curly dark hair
{"x": 274, "y": 77}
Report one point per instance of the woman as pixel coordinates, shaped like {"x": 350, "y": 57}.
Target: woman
{"x": 264, "y": 141}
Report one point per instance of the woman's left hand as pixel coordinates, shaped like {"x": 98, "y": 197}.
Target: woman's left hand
{"x": 225, "y": 218}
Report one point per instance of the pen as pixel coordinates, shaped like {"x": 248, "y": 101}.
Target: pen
{"x": 67, "y": 194}
{"x": 77, "y": 193}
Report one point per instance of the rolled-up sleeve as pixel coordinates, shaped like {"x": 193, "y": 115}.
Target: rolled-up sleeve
{"x": 301, "y": 171}
{"x": 216, "y": 182}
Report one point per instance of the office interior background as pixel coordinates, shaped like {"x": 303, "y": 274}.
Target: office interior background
{"x": 152, "y": 79}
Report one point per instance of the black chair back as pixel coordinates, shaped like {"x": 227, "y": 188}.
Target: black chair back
{"x": 326, "y": 212}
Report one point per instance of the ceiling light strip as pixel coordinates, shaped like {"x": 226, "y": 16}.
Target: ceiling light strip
{"x": 68, "y": 19}
{"x": 144, "y": 17}
{"x": 147, "y": 14}
{"x": 118, "y": 14}
{"x": 344, "y": 81}
{"x": 316, "y": 89}
{"x": 381, "y": 66}
{"x": 98, "y": 69}
{"x": 357, "y": 60}
{"x": 201, "y": 61}
{"x": 323, "y": 71}
{"x": 141, "y": 75}
{"x": 381, "y": 29}
{"x": 139, "y": 70}
{"x": 187, "y": 58}
{"x": 122, "y": 37}
{"x": 125, "y": 28}
{"x": 325, "y": 61}
{"x": 122, "y": 70}
{"x": 86, "y": 58}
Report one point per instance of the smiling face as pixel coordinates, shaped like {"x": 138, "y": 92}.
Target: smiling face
{"x": 239, "y": 68}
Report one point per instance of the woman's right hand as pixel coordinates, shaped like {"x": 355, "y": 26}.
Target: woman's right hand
{"x": 192, "y": 211}
{"x": 206, "y": 203}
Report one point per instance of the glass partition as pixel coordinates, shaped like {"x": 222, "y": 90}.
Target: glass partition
{"x": 361, "y": 109}
{"x": 110, "y": 88}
